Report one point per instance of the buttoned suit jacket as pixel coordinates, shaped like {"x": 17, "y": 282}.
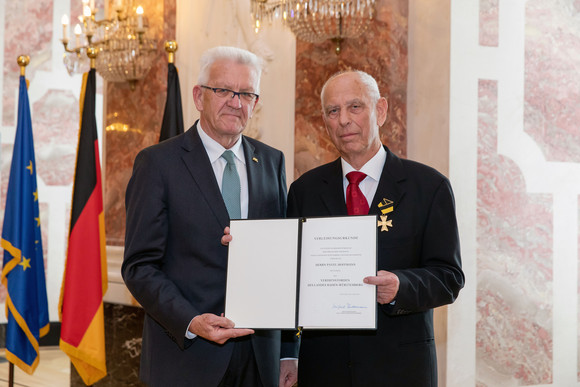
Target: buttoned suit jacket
{"x": 175, "y": 264}
{"x": 420, "y": 244}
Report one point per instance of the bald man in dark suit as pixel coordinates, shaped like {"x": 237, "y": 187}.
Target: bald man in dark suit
{"x": 419, "y": 264}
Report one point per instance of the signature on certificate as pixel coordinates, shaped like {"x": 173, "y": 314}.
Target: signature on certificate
{"x": 348, "y": 306}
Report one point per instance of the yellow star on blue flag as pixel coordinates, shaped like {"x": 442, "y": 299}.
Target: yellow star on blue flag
{"x": 25, "y": 263}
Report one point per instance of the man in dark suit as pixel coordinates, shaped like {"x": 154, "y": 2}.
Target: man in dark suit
{"x": 419, "y": 264}
{"x": 179, "y": 202}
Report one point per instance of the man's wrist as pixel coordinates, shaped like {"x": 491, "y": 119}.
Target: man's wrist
{"x": 188, "y": 333}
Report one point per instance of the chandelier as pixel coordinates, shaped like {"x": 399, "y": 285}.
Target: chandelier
{"x": 124, "y": 52}
{"x": 315, "y": 21}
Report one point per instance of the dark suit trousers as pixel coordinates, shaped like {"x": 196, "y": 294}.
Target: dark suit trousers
{"x": 242, "y": 370}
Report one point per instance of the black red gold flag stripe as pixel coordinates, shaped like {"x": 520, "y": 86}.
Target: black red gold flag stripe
{"x": 82, "y": 335}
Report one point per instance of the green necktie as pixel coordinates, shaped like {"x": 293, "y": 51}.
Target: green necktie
{"x": 231, "y": 186}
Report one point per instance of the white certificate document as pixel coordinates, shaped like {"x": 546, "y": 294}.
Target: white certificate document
{"x": 262, "y": 273}
{"x": 307, "y": 272}
{"x": 337, "y": 254}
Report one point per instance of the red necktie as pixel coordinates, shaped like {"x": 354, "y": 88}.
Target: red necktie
{"x": 356, "y": 203}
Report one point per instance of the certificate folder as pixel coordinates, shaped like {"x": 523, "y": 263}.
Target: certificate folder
{"x": 305, "y": 272}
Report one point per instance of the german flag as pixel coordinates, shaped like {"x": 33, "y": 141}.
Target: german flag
{"x": 172, "y": 123}
{"x": 82, "y": 335}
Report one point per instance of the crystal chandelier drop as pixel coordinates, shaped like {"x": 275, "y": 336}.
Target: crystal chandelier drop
{"x": 315, "y": 21}
{"x": 124, "y": 52}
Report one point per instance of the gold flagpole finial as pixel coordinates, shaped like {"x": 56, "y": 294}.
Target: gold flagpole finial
{"x": 23, "y": 61}
{"x": 170, "y": 47}
{"x": 92, "y": 54}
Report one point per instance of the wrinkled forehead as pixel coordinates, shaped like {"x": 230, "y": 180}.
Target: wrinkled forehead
{"x": 231, "y": 73}
{"x": 343, "y": 88}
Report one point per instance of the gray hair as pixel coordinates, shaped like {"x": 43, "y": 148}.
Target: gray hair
{"x": 235, "y": 54}
{"x": 367, "y": 80}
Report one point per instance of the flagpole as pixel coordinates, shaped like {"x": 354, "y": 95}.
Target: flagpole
{"x": 92, "y": 54}
{"x": 23, "y": 61}
{"x": 172, "y": 122}
{"x": 170, "y": 48}
{"x": 10, "y": 375}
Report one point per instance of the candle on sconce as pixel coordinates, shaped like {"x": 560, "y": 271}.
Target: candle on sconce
{"x": 87, "y": 18}
{"x": 64, "y": 21}
{"x": 117, "y": 5}
{"x": 92, "y": 5}
{"x": 139, "y": 17}
{"x": 78, "y": 31}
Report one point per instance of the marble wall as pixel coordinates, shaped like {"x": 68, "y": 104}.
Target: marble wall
{"x": 514, "y": 164}
{"x": 133, "y": 119}
{"x": 382, "y": 52}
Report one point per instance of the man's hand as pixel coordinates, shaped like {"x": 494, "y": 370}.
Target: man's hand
{"x": 216, "y": 328}
{"x": 288, "y": 372}
{"x": 387, "y": 286}
{"x": 227, "y": 238}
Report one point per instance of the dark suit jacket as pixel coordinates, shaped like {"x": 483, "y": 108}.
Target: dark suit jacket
{"x": 175, "y": 265}
{"x": 421, "y": 248}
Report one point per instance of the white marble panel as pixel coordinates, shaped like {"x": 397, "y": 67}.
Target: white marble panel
{"x": 533, "y": 340}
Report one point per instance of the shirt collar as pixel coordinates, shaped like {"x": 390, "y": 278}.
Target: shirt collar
{"x": 373, "y": 168}
{"x": 215, "y": 150}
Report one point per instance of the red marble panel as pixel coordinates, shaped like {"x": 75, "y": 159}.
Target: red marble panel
{"x": 27, "y": 30}
{"x": 552, "y": 79}
{"x": 139, "y": 110}
{"x": 514, "y": 264}
{"x": 382, "y": 52}
{"x": 489, "y": 22}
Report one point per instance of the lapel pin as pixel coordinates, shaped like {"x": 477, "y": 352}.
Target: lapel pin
{"x": 254, "y": 159}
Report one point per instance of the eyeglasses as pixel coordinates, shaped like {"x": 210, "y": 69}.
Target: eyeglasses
{"x": 244, "y": 96}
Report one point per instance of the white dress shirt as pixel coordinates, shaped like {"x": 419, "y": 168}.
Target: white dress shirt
{"x": 214, "y": 151}
{"x": 373, "y": 169}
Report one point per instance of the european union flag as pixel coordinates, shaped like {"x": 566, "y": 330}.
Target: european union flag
{"x": 23, "y": 270}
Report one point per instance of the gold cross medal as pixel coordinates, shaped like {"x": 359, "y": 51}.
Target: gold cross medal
{"x": 386, "y": 206}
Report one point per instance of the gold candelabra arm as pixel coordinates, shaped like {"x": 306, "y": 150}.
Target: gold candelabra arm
{"x": 120, "y": 15}
{"x": 140, "y": 33}
{"x": 69, "y": 50}
{"x": 170, "y": 48}
{"x": 337, "y": 45}
{"x": 23, "y": 61}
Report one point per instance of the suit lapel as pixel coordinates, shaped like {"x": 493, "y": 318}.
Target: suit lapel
{"x": 332, "y": 193}
{"x": 255, "y": 177}
{"x": 389, "y": 189}
{"x": 199, "y": 166}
